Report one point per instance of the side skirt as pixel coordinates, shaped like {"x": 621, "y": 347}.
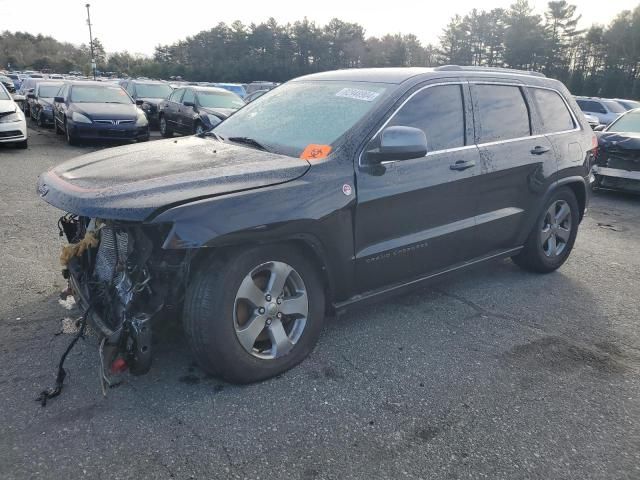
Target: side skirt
{"x": 404, "y": 287}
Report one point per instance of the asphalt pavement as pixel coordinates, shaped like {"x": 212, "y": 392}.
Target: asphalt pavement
{"x": 494, "y": 373}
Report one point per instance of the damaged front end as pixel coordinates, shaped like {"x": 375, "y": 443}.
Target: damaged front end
{"x": 617, "y": 164}
{"x": 123, "y": 280}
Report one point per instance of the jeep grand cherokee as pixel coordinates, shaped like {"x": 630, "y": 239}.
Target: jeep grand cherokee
{"x": 333, "y": 189}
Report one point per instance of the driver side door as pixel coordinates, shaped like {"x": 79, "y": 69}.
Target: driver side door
{"x": 418, "y": 216}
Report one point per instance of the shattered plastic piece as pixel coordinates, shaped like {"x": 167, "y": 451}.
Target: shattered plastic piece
{"x": 77, "y": 249}
{"x": 70, "y": 326}
{"x": 68, "y": 303}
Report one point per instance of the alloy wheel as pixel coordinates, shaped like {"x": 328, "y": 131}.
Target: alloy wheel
{"x": 270, "y": 310}
{"x": 556, "y": 229}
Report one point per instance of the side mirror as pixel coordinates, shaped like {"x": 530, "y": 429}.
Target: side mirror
{"x": 189, "y": 104}
{"x": 58, "y": 99}
{"x": 399, "y": 143}
{"x": 31, "y": 95}
{"x": 139, "y": 102}
{"x": 600, "y": 128}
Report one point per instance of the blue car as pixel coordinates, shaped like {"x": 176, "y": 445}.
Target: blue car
{"x": 98, "y": 111}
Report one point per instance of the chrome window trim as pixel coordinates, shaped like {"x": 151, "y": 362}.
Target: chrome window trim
{"x": 476, "y": 145}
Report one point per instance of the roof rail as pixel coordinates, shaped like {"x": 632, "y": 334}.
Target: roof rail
{"x": 459, "y": 68}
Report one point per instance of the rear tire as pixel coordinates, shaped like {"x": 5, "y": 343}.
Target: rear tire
{"x": 56, "y": 127}
{"x": 553, "y": 235}
{"x": 165, "y": 131}
{"x": 218, "y": 314}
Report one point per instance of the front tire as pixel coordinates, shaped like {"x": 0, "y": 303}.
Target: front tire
{"x": 553, "y": 235}
{"x": 165, "y": 131}
{"x": 23, "y": 144}
{"x": 255, "y": 314}
{"x": 71, "y": 139}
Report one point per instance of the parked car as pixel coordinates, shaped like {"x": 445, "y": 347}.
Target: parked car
{"x": 628, "y": 104}
{"x": 16, "y": 80}
{"x": 592, "y": 120}
{"x": 338, "y": 188}
{"x": 13, "y": 125}
{"x": 8, "y": 83}
{"x": 152, "y": 93}
{"x": 85, "y": 110}
{"x": 26, "y": 87}
{"x": 259, "y": 85}
{"x": 236, "y": 88}
{"x": 617, "y": 164}
{"x": 252, "y": 96}
{"x": 190, "y": 110}
{"x": 41, "y": 102}
{"x": 604, "y": 109}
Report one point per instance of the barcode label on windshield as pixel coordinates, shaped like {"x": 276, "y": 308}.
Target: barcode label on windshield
{"x": 357, "y": 94}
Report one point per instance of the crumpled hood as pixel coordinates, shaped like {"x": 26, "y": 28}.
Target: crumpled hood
{"x": 109, "y": 111}
{"x": 132, "y": 182}
{"x": 221, "y": 113}
{"x": 625, "y": 141}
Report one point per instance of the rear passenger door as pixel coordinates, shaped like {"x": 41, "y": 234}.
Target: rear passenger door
{"x": 417, "y": 216}
{"x": 515, "y": 164}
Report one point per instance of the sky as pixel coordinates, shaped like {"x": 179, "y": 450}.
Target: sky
{"x": 139, "y": 25}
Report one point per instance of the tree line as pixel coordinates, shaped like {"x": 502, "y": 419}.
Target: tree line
{"x": 601, "y": 60}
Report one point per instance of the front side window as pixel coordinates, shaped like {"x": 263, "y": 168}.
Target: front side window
{"x": 437, "y": 111}
{"x": 219, "y": 99}
{"x": 502, "y": 113}
{"x": 176, "y": 95}
{"x": 554, "y": 113}
{"x": 303, "y": 113}
{"x": 189, "y": 96}
{"x": 99, "y": 94}
{"x": 628, "y": 123}
{"x": 4, "y": 95}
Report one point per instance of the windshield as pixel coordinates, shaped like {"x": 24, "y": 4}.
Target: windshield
{"x": 614, "y": 107}
{"x": 48, "y": 91}
{"x": 299, "y": 114}
{"x": 213, "y": 99}
{"x": 629, "y": 104}
{"x": 98, "y": 94}
{"x": 626, "y": 123}
{"x": 153, "y": 90}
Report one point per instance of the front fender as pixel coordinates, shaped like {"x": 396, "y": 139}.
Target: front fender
{"x": 312, "y": 209}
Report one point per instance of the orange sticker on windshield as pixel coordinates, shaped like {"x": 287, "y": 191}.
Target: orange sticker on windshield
{"x": 315, "y": 152}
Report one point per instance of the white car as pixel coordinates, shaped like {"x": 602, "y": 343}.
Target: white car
{"x": 13, "y": 125}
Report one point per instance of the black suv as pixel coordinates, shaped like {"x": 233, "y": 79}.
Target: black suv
{"x": 334, "y": 189}
{"x": 149, "y": 93}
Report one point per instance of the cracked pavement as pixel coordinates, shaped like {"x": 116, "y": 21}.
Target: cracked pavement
{"x": 493, "y": 373}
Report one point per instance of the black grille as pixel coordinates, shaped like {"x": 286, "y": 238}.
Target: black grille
{"x": 11, "y": 133}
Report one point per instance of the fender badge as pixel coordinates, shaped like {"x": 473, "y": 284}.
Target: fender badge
{"x": 346, "y": 189}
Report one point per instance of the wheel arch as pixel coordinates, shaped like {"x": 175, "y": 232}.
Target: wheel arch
{"x": 579, "y": 188}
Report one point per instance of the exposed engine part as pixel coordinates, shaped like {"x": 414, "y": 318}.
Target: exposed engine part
{"x": 122, "y": 279}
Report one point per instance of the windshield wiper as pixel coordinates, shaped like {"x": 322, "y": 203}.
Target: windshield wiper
{"x": 248, "y": 141}
{"x": 210, "y": 133}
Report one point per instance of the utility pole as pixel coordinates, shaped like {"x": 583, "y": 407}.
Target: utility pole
{"x": 93, "y": 58}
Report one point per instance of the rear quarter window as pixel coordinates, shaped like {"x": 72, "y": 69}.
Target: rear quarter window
{"x": 553, "y": 111}
{"x": 502, "y": 113}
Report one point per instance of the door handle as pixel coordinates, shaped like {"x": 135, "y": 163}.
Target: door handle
{"x": 539, "y": 150}
{"x": 462, "y": 164}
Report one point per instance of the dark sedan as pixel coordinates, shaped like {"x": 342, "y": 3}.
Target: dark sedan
{"x": 617, "y": 163}
{"x": 8, "y": 83}
{"x": 41, "y": 102}
{"x": 190, "y": 110}
{"x": 152, "y": 93}
{"x": 98, "y": 111}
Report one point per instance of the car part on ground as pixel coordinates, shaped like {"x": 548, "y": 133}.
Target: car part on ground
{"x": 321, "y": 194}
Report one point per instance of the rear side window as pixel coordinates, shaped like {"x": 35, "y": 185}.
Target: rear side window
{"x": 591, "y": 106}
{"x": 502, "y": 113}
{"x": 554, "y": 113}
{"x": 439, "y": 112}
